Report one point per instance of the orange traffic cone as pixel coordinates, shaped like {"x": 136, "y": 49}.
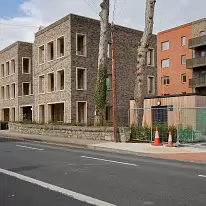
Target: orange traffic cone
{"x": 170, "y": 143}
{"x": 157, "y": 139}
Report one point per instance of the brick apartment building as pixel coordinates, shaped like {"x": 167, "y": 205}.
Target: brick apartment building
{"x": 64, "y": 67}
{"x": 16, "y": 96}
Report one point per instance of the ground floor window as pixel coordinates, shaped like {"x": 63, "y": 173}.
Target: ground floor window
{"x": 56, "y": 112}
{"x": 41, "y": 114}
{"x": 27, "y": 113}
{"x": 82, "y": 112}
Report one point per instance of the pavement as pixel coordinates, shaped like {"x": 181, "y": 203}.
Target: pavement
{"x": 39, "y": 174}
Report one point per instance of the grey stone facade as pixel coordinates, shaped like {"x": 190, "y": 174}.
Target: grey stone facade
{"x": 13, "y": 104}
{"x": 71, "y": 25}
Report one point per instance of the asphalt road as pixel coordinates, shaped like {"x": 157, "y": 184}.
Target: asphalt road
{"x": 37, "y": 174}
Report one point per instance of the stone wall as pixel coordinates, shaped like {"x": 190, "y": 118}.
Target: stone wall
{"x": 92, "y": 133}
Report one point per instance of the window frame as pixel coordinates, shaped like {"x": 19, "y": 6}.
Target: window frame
{"x": 168, "y": 78}
{"x": 81, "y": 34}
{"x": 53, "y": 41}
{"x": 14, "y": 90}
{"x": 39, "y": 54}
{"x": 13, "y": 60}
{"x": 59, "y": 57}
{"x": 23, "y": 89}
{"x": 57, "y": 80}
{"x": 85, "y": 78}
{"x": 43, "y": 85}
{"x": 153, "y": 85}
{"x": 182, "y": 76}
{"x": 182, "y": 63}
{"x": 162, "y": 43}
{"x": 29, "y": 58}
{"x": 151, "y": 57}
{"x": 48, "y": 82}
{"x": 182, "y": 41}
{"x": 162, "y": 63}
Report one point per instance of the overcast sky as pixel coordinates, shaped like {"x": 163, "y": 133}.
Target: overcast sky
{"x": 130, "y": 13}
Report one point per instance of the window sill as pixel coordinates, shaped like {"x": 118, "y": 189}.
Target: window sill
{"x": 61, "y": 90}
{"x": 50, "y": 92}
{"x": 81, "y": 55}
{"x": 49, "y": 61}
{"x": 40, "y": 64}
{"x": 26, "y": 73}
{"x": 81, "y": 89}
{"x": 41, "y": 93}
{"x": 61, "y": 57}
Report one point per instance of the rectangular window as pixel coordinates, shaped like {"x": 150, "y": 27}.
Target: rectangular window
{"x": 41, "y": 54}
{"x": 165, "y": 63}
{"x": 50, "y": 51}
{"x": 7, "y": 92}
{"x": 26, "y": 89}
{"x": 41, "y": 85}
{"x": 150, "y": 85}
{"x": 165, "y": 46}
{"x": 2, "y": 70}
{"x": 109, "y": 82}
{"x": 81, "y": 112}
{"x": 109, "y": 51}
{"x": 150, "y": 57}
{"x": 183, "y": 59}
{"x": 51, "y": 82}
{"x": 13, "y": 116}
{"x": 60, "y": 47}
{"x": 41, "y": 113}
{"x": 184, "y": 40}
{"x": 13, "y": 91}
{"x": 166, "y": 80}
{"x": 12, "y": 66}
{"x": 60, "y": 80}
{"x": 81, "y": 79}
{"x": 109, "y": 114}
{"x": 81, "y": 45}
{"x": 7, "y": 69}
{"x": 2, "y": 93}
{"x": 184, "y": 78}
{"x": 26, "y": 65}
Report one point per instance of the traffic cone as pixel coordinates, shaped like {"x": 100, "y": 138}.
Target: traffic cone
{"x": 157, "y": 139}
{"x": 170, "y": 143}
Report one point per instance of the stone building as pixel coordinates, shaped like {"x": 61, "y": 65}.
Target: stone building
{"x": 65, "y": 58}
{"x": 16, "y": 93}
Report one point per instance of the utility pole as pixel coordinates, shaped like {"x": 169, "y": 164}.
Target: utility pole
{"x": 114, "y": 83}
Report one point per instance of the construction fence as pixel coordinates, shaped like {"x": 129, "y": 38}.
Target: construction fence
{"x": 188, "y": 125}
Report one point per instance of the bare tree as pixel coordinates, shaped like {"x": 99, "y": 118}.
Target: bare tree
{"x": 101, "y": 87}
{"x": 139, "y": 93}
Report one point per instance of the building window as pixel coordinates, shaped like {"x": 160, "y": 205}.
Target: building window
{"x": 81, "y": 114}
{"x": 60, "y": 80}
{"x": 41, "y": 114}
{"x": 109, "y": 114}
{"x": 7, "y": 69}
{"x": 26, "y": 65}
{"x": 50, "y": 51}
{"x": 26, "y": 88}
{"x": 109, "y": 82}
{"x": 13, "y": 91}
{"x": 184, "y": 40}
{"x": 150, "y": 85}
{"x": 165, "y": 63}
{"x": 13, "y": 116}
{"x": 165, "y": 46}
{"x": 202, "y": 33}
{"x": 2, "y": 93}
{"x": 109, "y": 51}
{"x": 41, "y": 54}
{"x": 51, "y": 82}
{"x": 12, "y": 66}
{"x": 81, "y": 45}
{"x": 41, "y": 84}
{"x": 2, "y": 70}
{"x": 184, "y": 78}
{"x": 166, "y": 80}
{"x": 7, "y": 92}
{"x": 150, "y": 57}
{"x": 60, "y": 47}
{"x": 81, "y": 79}
{"x": 183, "y": 59}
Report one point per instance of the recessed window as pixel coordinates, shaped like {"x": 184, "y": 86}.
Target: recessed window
{"x": 109, "y": 114}
{"x": 165, "y": 46}
{"x": 81, "y": 79}
{"x": 51, "y": 82}
{"x": 7, "y": 69}
{"x": 183, "y": 59}
{"x": 60, "y": 47}
{"x": 12, "y": 66}
{"x": 2, "y": 70}
{"x": 26, "y": 65}
{"x": 41, "y": 114}
{"x": 184, "y": 40}
{"x": 2, "y": 93}
{"x": 109, "y": 51}
{"x": 81, "y": 112}
{"x": 41, "y": 54}
{"x": 13, "y": 91}
{"x": 109, "y": 82}
{"x": 166, "y": 80}
{"x": 13, "y": 116}
{"x": 150, "y": 57}
{"x": 60, "y": 80}
{"x": 202, "y": 33}
{"x": 26, "y": 89}
{"x": 150, "y": 84}
{"x": 184, "y": 78}
{"x": 165, "y": 63}
{"x": 50, "y": 51}
{"x": 7, "y": 92}
{"x": 41, "y": 85}
{"x": 81, "y": 44}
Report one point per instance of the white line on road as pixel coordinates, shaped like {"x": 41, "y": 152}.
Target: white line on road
{"x": 105, "y": 160}
{"x": 202, "y": 176}
{"x": 29, "y": 147}
{"x": 60, "y": 190}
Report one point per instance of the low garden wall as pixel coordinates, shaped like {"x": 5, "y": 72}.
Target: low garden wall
{"x": 93, "y": 133}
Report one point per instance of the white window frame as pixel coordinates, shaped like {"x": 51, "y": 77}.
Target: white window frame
{"x": 164, "y": 43}
{"x": 182, "y": 41}
{"x": 164, "y": 80}
{"x": 8, "y": 93}
{"x": 60, "y": 90}
{"x": 85, "y": 83}
{"x": 162, "y": 63}
{"x": 182, "y": 59}
{"x": 32, "y": 109}
{"x": 153, "y": 92}
{"x": 3, "y": 69}
{"x": 48, "y": 82}
{"x": 42, "y": 75}
{"x": 5, "y": 72}
{"x": 77, "y": 114}
{"x": 85, "y": 44}
{"x": 11, "y": 91}
{"x": 57, "y": 47}
{"x": 23, "y": 89}
{"x": 44, "y": 54}
{"x": 47, "y": 50}
{"x": 14, "y": 66}
{"x": 29, "y": 65}
{"x": 182, "y": 78}
{"x": 152, "y": 61}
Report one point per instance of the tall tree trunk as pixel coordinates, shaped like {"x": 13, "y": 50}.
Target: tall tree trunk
{"x": 139, "y": 91}
{"x": 101, "y": 87}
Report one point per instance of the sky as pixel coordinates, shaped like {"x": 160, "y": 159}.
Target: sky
{"x": 20, "y": 19}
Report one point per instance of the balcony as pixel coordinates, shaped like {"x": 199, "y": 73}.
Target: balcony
{"x": 197, "y": 42}
{"x": 196, "y": 62}
{"x": 197, "y": 82}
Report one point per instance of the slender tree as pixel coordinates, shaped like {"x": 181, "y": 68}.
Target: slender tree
{"x": 101, "y": 87}
{"x": 139, "y": 91}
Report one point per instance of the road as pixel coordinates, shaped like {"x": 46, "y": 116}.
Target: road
{"x": 38, "y": 174}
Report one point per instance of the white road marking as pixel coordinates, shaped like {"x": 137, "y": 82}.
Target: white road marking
{"x": 202, "y": 176}
{"x": 29, "y": 147}
{"x": 105, "y": 160}
{"x": 69, "y": 193}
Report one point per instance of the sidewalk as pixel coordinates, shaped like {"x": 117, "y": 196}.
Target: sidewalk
{"x": 190, "y": 154}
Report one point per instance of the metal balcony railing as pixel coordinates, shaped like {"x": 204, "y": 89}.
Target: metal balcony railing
{"x": 197, "y": 82}
{"x": 197, "y": 42}
{"x": 196, "y": 62}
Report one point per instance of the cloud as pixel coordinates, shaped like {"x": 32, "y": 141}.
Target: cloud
{"x": 129, "y": 13}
